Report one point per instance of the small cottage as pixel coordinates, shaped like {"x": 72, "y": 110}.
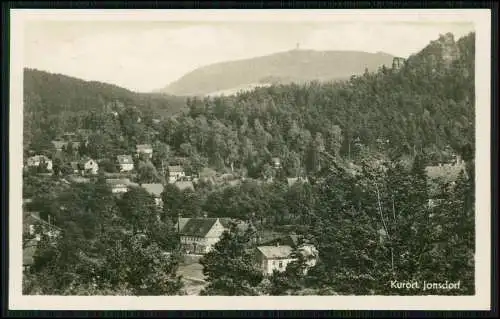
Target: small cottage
{"x": 276, "y": 162}
{"x": 155, "y": 189}
{"x": 125, "y": 163}
{"x": 33, "y": 219}
{"x": 145, "y": 149}
{"x": 39, "y": 161}
{"x": 175, "y": 173}
{"x": 59, "y": 145}
{"x": 88, "y": 166}
{"x": 270, "y": 258}
{"x": 277, "y": 257}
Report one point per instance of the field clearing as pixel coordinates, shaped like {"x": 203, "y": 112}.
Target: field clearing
{"x": 192, "y": 276}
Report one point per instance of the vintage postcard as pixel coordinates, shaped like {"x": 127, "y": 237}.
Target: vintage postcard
{"x": 250, "y": 159}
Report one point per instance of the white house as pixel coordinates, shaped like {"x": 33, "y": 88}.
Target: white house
{"x": 38, "y": 160}
{"x": 145, "y": 149}
{"x": 35, "y": 226}
{"x": 277, "y": 257}
{"x": 276, "y": 162}
{"x": 125, "y": 162}
{"x": 175, "y": 173}
{"x": 270, "y": 258}
{"x": 88, "y": 165}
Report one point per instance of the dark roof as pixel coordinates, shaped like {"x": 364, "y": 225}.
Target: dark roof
{"x": 240, "y": 225}
{"x": 198, "y": 227}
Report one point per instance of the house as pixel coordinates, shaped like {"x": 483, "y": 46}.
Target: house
{"x": 179, "y": 160}
{"x": 38, "y": 161}
{"x": 125, "y": 162}
{"x": 270, "y": 258}
{"x": 69, "y": 136}
{"x": 156, "y": 190}
{"x": 59, "y": 145}
{"x": 175, "y": 173}
{"x": 441, "y": 174}
{"x": 276, "y": 162}
{"x": 88, "y": 166}
{"x": 33, "y": 219}
{"x": 145, "y": 149}
{"x": 199, "y": 235}
{"x": 447, "y": 172}
{"x": 119, "y": 185}
{"x": 277, "y": 257}
{"x": 78, "y": 179}
{"x": 183, "y": 185}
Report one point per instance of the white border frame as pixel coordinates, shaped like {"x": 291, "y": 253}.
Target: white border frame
{"x": 481, "y": 301}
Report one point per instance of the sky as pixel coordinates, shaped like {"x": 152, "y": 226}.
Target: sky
{"x": 147, "y": 55}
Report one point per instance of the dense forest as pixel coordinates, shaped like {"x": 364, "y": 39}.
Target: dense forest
{"x": 56, "y": 102}
{"x": 370, "y": 227}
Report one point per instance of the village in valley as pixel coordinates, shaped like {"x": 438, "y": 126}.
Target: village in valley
{"x": 272, "y": 251}
{"x": 289, "y": 188}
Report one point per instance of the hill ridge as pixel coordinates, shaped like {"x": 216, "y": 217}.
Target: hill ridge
{"x": 296, "y": 65}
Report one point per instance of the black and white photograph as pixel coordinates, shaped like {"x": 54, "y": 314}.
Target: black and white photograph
{"x": 163, "y": 158}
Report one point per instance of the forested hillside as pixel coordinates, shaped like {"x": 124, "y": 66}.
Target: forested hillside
{"x": 371, "y": 226}
{"x": 55, "y": 101}
{"x": 296, "y": 66}
{"x": 426, "y": 106}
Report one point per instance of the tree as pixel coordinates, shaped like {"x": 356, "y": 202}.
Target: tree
{"x": 229, "y": 268}
{"x": 147, "y": 172}
{"x": 143, "y": 266}
{"x": 138, "y": 208}
{"x": 172, "y": 202}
